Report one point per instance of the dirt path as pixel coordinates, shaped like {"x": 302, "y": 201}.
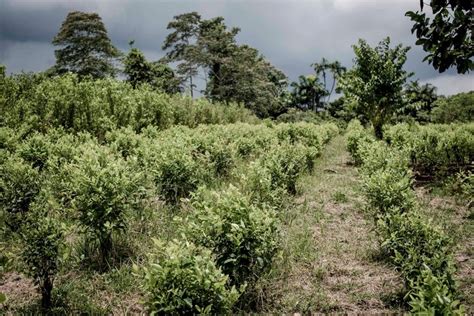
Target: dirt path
{"x": 330, "y": 247}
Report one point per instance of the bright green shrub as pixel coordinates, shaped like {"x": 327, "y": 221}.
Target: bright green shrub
{"x": 286, "y": 163}
{"x": 105, "y": 189}
{"x": 387, "y": 182}
{"x": 462, "y": 185}
{"x": 99, "y": 106}
{"x": 19, "y": 185}
{"x": 242, "y": 237}
{"x": 125, "y": 141}
{"x": 35, "y": 150}
{"x": 177, "y": 175}
{"x": 411, "y": 240}
{"x": 357, "y": 136}
{"x": 435, "y": 149}
{"x": 182, "y": 279}
{"x": 385, "y": 190}
{"x": 43, "y": 241}
{"x": 151, "y": 108}
{"x": 215, "y": 151}
{"x": 430, "y": 296}
{"x": 257, "y": 183}
{"x": 420, "y": 250}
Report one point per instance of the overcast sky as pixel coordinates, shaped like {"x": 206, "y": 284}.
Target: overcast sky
{"x": 291, "y": 34}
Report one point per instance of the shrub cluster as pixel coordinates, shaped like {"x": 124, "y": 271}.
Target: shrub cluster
{"x": 184, "y": 280}
{"x": 420, "y": 250}
{"x": 98, "y": 106}
{"x": 435, "y": 149}
{"x": 240, "y": 232}
{"x": 99, "y": 183}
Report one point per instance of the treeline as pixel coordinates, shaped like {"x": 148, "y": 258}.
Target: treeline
{"x": 375, "y": 89}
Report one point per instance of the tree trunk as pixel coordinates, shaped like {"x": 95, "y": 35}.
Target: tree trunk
{"x": 191, "y": 86}
{"x": 46, "y": 289}
{"x": 105, "y": 249}
{"x": 378, "y": 129}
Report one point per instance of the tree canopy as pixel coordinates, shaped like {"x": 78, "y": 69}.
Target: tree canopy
{"x": 140, "y": 71}
{"x": 447, "y": 36}
{"x": 376, "y": 81}
{"x": 232, "y": 72}
{"x": 86, "y": 48}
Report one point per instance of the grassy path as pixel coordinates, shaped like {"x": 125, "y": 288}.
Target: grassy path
{"x": 330, "y": 249}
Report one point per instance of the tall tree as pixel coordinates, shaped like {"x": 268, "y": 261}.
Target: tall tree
{"x": 216, "y": 44}
{"x": 447, "y": 36}
{"x": 181, "y": 46}
{"x": 158, "y": 75}
{"x": 137, "y": 69}
{"x": 86, "y": 48}
{"x": 375, "y": 83}
{"x": 248, "y": 78}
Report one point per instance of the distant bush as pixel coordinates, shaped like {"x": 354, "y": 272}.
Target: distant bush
{"x": 456, "y": 108}
{"x": 356, "y": 137}
{"x": 183, "y": 279}
{"x": 98, "y": 106}
{"x": 178, "y": 174}
{"x": 435, "y": 149}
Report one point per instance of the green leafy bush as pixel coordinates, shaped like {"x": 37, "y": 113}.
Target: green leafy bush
{"x": 35, "y": 150}
{"x": 456, "y": 108}
{"x": 435, "y": 149}
{"x": 19, "y": 185}
{"x": 182, "y": 279}
{"x": 419, "y": 249}
{"x": 43, "y": 241}
{"x": 99, "y": 106}
{"x": 357, "y": 136}
{"x": 387, "y": 182}
{"x": 430, "y": 296}
{"x": 105, "y": 189}
{"x": 177, "y": 175}
{"x": 242, "y": 237}
{"x": 285, "y": 163}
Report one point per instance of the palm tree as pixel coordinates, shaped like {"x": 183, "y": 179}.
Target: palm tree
{"x": 308, "y": 92}
{"x": 336, "y": 70}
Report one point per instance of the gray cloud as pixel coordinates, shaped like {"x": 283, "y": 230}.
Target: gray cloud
{"x": 292, "y": 34}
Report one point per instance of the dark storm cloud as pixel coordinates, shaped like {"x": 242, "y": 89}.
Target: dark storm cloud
{"x": 292, "y": 34}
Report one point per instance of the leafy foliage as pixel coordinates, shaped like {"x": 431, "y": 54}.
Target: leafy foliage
{"x": 43, "y": 242}
{"x": 183, "y": 279}
{"x": 243, "y": 237}
{"x": 86, "y": 47}
{"x": 101, "y": 105}
{"x": 375, "y": 82}
{"x": 456, "y": 108}
{"x": 447, "y": 36}
{"x": 105, "y": 189}
{"x": 420, "y": 250}
{"x": 158, "y": 75}
{"x": 419, "y": 102}
{"x": 19, "y": 185}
